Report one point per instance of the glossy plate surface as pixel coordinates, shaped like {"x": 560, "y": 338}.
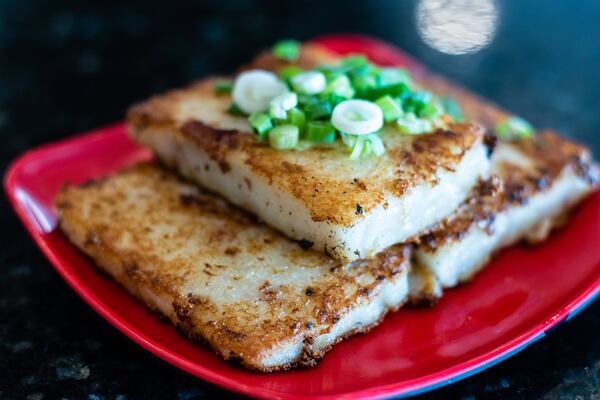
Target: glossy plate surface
{"x": 513, "y": 302}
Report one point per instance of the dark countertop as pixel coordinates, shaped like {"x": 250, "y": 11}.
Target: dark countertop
{"x": 68, "y": 66}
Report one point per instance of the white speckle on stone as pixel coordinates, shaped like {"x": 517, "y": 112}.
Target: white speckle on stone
{"x": 71, "y": 368}
{"x": 35, "y": 396}
{"x": 21, "y": 346}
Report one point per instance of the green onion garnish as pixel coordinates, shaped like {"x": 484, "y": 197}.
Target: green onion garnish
{"x": 400, "y": 90}
{"x": 310, "y": 82}
{"x": 431, "y": 111}
{"x": 320, "y": 132}
{"x": 390, "y": 107}
{"x": 416, "y": 101}
{"x": 223, "y": 86}
{"x": 318, "y": 110}
{"x": 284, "y": 137}
{"x": 296, "y": 108}
{"x": 340, "y": 86}
{"x": 261, "y": 123}
{"x": 514, "y": 128}
{"x": 288, "y": 50}
{"x": 331, "y": 72}
{"x": 376, "y": 143}
{"x": 288, "y": 72}
{"x": 452, "y": 108}
{"x": 362, "y": 83}
{"x": 363, "y": 145}
{"x": 357, "y": 148}
{"x": 410, "y": 124}
{"x": 281, "y": 104}
{"x": 354, "y": 61}
{"x": 392, "y": 76}
{"x": 296, "y": 117}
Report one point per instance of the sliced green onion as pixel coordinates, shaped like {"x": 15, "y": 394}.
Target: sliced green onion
{"x": 354, "y": 61}
{"x": 452, "y": 108}
{"x": 318, "y": 110}
{"x": 431, "y": 111}
{"x": 365, "y": 70}
{"x": 334, "y": 99}
{"x": 261, "y": 123}
{"x": 284, "y": 137}
{"x": 288, "y": 72}
{"x": 223, "y": 86}
{"x": 363, "y": 145}
{"x": 377, "y": 146}
{"x": 357, "y": 148}
{"x": 363, "y": 83}
{"x": 410, "y": 124}
{"x": 357, "y": 117}
{"x": 416, "y": 101}
{"x": 296, "y": 117}
{"x": 311, "y": 82}
{"x": 320, "y": 132}
{"x": 253, "y": 90}
{"x": 390, "y": 107}
{"x": 306, "y": 100}
{"x": 514, "y": 128}
{"x": 331, "y": 72}
{"x": 340, "y": 86}
{"x": 400, "y": 90}
{"x": 348, "y": 140}
{"x": 392, "y": 76}
{"x": 281, "y": 104}
{"x": 288, "y": 50}
{"x": 353, "y": 99}
{"x": 235, "y": 110}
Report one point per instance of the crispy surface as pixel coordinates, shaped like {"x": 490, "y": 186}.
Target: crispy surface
{"x": 322, "y": 178}
{"x": 549, "y": 157}
{"x": 218, "y": 275}
{"x": 543, "y": 160}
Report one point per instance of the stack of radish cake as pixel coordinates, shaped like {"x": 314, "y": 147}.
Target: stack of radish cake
{"x": 296, "y": 203}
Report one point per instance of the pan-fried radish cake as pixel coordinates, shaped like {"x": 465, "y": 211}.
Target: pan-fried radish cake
{"x": 536, "y": 179}
{"x": 343, "y": 155}
{"x": 372, "y": 189}
{"x": 250, "y": 293}
{"x": 535, "y": 182}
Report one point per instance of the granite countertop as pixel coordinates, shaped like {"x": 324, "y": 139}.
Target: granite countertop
{"x": 68, "y": 66}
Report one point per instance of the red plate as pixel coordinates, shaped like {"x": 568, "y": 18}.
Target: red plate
{"x": 509, "y": 305}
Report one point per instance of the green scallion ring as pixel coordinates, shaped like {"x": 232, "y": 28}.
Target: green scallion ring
{"x": 261, "y": 123}
{"x": 284, "y": 137}
{"x": 288, "y": 50}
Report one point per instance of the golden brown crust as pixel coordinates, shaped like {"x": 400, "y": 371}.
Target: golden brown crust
{"x": 321, "y": 178}
{"x": 479, "y": 209}
{"x": 549, "y": 157}
{"x": 154, "y": 233}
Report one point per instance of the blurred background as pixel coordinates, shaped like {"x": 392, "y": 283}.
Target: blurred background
{"x": 67, "y": 66}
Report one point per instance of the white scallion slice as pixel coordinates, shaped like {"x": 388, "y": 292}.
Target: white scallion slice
{"x": 253, "y": 90}
{"x": 357, "y": 148}
{"x": 311, "y": 82}
{"x": 357, "y": 117}
{"x": 280, "y": 105}
{"x": 377, "y": 145}
{"x": 363, "y": 145}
